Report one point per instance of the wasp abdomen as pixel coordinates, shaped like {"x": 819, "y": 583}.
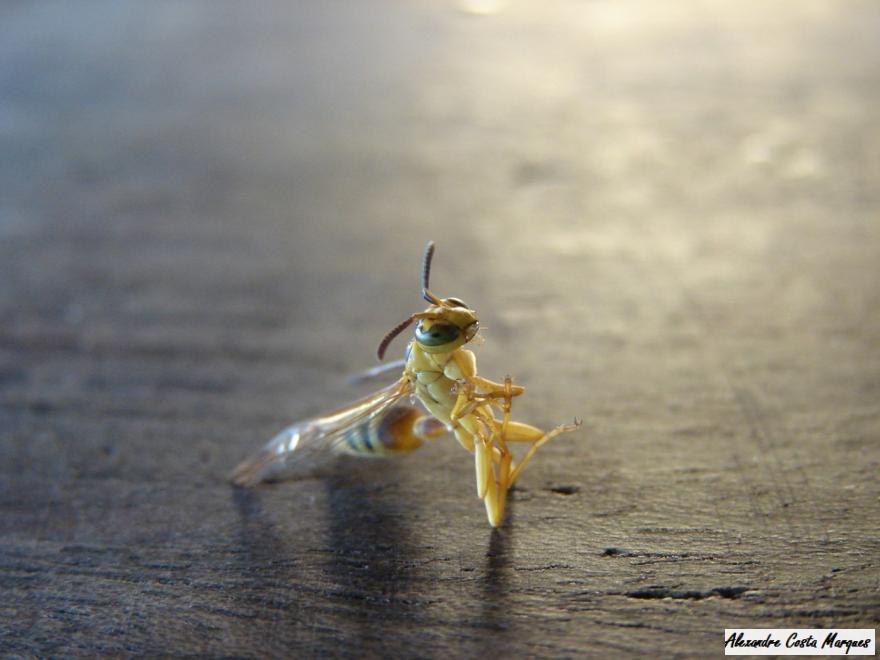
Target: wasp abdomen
{"x": 389, "y": 433}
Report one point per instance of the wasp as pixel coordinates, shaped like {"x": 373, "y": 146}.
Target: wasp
{"x": 440, "y": 374}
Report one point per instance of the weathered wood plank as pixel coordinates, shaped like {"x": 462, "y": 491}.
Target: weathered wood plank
{"x": 666, "y": 217}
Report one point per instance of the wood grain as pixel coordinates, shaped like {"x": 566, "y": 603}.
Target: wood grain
{"x": 667, "y": 218}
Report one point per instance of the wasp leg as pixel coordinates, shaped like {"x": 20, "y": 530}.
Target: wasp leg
{"x": 496, "y": 481}
{"x": 483, "y": 459}
{"x": 505, "y": 389}
{"x": 484, "y": 469}
{"x": 471, "y": 402}
{"x": 495, "y": 498}
{"x": 469, "y": 407}
{"x": 472, "y": 418}
{"x": 468, "y": 430}
{"x": 505, "y": 408}
{"x": 496, "y": 494}
{"x": 464, "y": 437}
{"x": 463, "y": 402}
{"x": 519, "y": 432}
{"x": 466, "y": 416}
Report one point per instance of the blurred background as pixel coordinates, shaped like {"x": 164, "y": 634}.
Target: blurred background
{"x": 210, "y": 212}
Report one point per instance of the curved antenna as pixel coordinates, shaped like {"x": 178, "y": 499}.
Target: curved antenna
{"x": 426, "y": 263}
{"x": 426, "y": 294}
{"x": 396, "y": 330}
{"x": 426, "y": 274}
{"x": 400, "y": 327}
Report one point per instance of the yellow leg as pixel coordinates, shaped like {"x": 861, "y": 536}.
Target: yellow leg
{"x": 496, "y": 497}
{"x": 469, "y": 399}
{"x": 539, "y": 442}
{"x": 507, "y": 388}
{"x": 478, "y": 430}
{"x": 520, "y": 432}
{"x": 483, "y": 464}
{"x": 482, "y": 459}
{"x": 465, "y": 439}
{"x": 463, "y": 400}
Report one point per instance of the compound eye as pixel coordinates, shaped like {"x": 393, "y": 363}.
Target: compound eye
{"x": 437, "y": 335}
{"x": 456, "y": 302}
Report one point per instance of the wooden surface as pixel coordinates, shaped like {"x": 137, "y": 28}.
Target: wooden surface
{"x": 667, "y": 218}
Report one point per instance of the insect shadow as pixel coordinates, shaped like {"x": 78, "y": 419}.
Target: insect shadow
{"x": 267, "y": 569}
{"x": 371, "y": 559}
{"x": 495, "y": 592}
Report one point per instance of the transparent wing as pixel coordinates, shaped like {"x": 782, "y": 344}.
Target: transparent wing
{"x": 299, "y": 449}
{"x": 376, "y": 372}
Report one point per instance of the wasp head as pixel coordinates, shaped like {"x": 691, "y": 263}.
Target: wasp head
{"x": 444, "y": 326}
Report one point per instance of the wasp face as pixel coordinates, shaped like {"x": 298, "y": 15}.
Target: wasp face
{"x": 446, "y": 326}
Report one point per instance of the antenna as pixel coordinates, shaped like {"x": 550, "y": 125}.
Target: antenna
{"x": 426, "y": 274}
{"x": 396, "y": 330}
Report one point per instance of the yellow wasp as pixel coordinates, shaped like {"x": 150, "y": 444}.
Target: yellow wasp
{"x": 442, "y": 375}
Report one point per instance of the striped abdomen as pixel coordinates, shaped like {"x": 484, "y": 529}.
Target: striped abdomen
{"x": 399, "y": 430}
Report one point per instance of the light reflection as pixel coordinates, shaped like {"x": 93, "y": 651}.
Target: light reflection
{"x": 481, "y": 7}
